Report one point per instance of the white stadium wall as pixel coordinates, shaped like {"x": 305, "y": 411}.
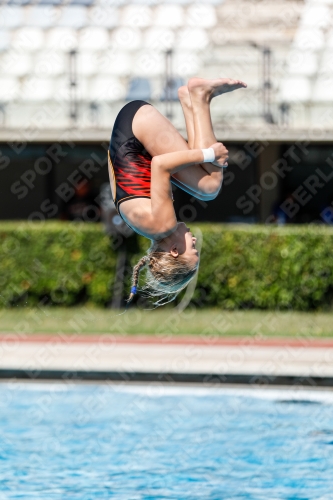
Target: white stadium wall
{"x": 120, "y": 51}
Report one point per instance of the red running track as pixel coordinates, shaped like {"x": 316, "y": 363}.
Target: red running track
{"x": 304, "y": 342}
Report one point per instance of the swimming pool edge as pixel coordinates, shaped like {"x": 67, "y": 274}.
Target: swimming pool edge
{"x": 206, "y": 379}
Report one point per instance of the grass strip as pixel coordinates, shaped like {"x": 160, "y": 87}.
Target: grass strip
{"x": 201, "y": 322}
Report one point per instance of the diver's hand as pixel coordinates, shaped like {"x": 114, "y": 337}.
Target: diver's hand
{"x": 221, "y": 155}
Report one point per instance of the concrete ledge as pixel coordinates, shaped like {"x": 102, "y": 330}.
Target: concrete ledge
{"x": 109, "y": 357}
{"x": 224, "y": 131}
{"x": 195, "y": 378}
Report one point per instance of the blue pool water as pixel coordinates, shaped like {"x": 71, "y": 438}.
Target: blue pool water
{"x": 148, "y": 442}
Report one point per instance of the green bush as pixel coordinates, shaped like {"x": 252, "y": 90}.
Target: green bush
{"x": 263, "y": 267}
{"x": 56, "y": 263}
{"x": 266, "y": 267}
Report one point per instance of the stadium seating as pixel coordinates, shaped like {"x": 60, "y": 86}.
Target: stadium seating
{"x": 120, "y": 49}
{"x": 139, "y": 88}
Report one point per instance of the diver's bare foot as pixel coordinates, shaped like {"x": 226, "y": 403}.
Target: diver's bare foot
{"x": 184, "y": 96}
{"x": 207, "y": 89}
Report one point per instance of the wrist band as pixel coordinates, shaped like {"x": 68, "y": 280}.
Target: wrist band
{"x": 208, "y": 154}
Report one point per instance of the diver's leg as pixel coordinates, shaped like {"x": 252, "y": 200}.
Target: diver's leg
{"x": 186, "y": 104}
{"x": 195, "y": 101}
{"x": 197, "y": 140}
{"x": 159, "y": 136}
{"x": 202, "y": 92}
{"x": 184, "y": 177}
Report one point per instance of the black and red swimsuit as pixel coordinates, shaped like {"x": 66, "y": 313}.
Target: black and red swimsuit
{"x": 129, "y": 161}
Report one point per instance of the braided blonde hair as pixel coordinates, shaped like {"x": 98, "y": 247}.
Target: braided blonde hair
{"x": 166, "y": 275}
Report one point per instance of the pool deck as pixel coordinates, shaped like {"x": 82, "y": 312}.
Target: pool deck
{"x": 168, "y": 358}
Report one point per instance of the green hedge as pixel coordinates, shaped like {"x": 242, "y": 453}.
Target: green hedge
{"x": 267, "y": 267}
{"x": 262, "y": 267}
{"x": 56, "y": 263}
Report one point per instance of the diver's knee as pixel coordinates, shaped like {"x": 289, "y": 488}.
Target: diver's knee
{"x": 211, "y": 190}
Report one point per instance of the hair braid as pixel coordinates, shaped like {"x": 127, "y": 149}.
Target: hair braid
{"x": 135, "y": 276}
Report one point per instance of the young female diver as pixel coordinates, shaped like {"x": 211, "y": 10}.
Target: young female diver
{"x": 146, "y": 154}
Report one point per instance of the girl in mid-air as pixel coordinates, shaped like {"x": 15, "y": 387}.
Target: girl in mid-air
{"x": 146, "y": 155}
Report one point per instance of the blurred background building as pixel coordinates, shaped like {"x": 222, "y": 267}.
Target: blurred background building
{"x": 67, "y": 68}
